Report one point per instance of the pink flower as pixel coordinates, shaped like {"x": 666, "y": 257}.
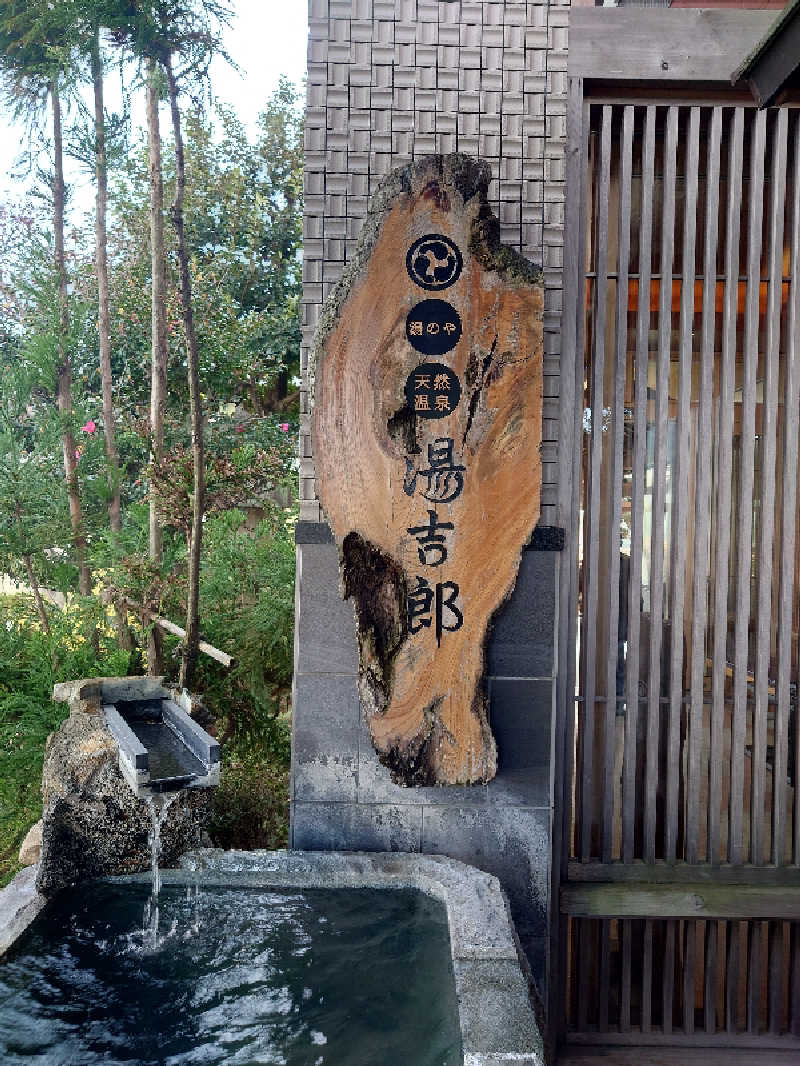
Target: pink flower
{"x": 90, "y": 427}
{"x": 240, "y": 428}
{"x": 284, "y": 427}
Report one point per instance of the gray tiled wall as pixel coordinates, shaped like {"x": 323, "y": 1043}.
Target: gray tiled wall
{"x": 390, "y": 80}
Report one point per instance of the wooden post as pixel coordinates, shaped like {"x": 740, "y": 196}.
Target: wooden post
{"x": 427, "y": 396}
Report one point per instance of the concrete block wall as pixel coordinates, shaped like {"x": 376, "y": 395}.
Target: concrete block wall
{"x": 390, "y": 80}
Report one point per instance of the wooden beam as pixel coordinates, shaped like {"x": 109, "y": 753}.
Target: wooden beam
{"x": 786, "y": 877}
{"x": 775, "y": 58}
{"x": 629, "y": 44}
{"x": 607, "y": 900}
{"x": 765, "y": 1049}
{"x": 170, "y": 627}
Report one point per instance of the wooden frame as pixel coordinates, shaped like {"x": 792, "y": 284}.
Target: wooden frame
{"x": 775, "y": 59}
{"x": 617, "y": 55}
{"x": 662, "y": 45}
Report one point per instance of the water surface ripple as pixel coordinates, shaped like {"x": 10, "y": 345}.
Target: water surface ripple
{"x": 244, "y": 976}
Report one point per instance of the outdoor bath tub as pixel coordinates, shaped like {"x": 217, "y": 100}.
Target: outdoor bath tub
{"x": 481, "y": 989}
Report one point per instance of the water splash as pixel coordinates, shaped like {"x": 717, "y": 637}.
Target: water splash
{"x": 158, "y": 805}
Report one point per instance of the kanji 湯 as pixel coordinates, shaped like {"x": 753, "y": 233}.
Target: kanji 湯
{"x": 445, "y": 478}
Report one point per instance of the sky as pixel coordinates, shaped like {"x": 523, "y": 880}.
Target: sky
{"x": 267, "y": 38}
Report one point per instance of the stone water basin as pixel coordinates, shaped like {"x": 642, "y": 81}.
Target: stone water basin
{"x": 299, "y": 959}
{"x": 161, "y": 748}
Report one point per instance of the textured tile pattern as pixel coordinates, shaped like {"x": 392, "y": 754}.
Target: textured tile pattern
{"x": 391, "y": 80}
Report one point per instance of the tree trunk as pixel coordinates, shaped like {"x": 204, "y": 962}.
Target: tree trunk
{"x": 158, "y": 364}
{"x": 427, "y": 430}
{"x": 191, "y": 645}
{"x": 64, "y": 369}
{"x": 37, "y": 595}
{"x": 101, "y": 263}
{"x": 103, "y": 318}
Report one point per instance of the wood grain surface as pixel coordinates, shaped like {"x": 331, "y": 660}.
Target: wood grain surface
{"x": 384, "y": 470}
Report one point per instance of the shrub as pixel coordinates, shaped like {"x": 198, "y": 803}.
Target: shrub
{"x": 251, "y": 805}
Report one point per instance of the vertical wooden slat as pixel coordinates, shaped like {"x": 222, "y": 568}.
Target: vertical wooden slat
{"x": 754, "y": 965}
{"x": 680, "y": 485}
{"x": 629, "y": 806}
{"x": 769, "y": 413}
{"x": 625, "y": 985}
{"x": 725, "y": 463}
{"x": 562, "y": 936}
{"x": 734, "y": 936}
{"x": 615, "y": 480}
{"x": 647, "y": 976}
{"x": 588, "y": 812}
{"x": 659, "y": 481}
{"x": 791, "y": 400}
{"x": 689, "y": 962}
{"x": 776, "y": 974}
{"x": 794, "y": 989}
{"x": 584, "y": 963}
{"x": 604, "y": 983}
{"x": 702, "y": 497}
{"x": 744, "y": 533}
{"x": 710, "y": 978}
{"x": 583, "y": 976}
{"x": 668, "y": 975}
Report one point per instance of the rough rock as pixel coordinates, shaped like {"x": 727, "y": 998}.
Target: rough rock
{"x": 31, "y": 849}
{"x": 93, "y": 824}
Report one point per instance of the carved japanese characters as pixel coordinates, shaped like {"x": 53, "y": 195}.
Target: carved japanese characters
{"x": 426, "y": 432}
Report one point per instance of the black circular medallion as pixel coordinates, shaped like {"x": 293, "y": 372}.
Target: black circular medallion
{"x": 433, "y": 390}
{"x": 434, "y": 262}
{"x": 433, "y": 327}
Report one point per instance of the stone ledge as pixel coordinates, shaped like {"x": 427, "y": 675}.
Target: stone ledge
{"x": 547, "y": 539}
{"x": 483, "y": 942}
{"x": 306, "y": 532}
{"x": 20, "y": 903}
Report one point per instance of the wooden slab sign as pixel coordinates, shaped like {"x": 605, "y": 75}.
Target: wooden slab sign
{"x": 427, "y": 394}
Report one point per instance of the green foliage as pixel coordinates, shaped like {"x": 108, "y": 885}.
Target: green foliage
{"x": 243, "y": 214}
{"x": 251, "y": 804}
{"x": 34, "y": 517}
{"x": 247, "y": 609}
{"x": 243, "y": 217}
{"x": 31, "y": 662}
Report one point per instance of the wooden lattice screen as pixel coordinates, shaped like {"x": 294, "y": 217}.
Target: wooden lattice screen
{"x": 681, "y": 897}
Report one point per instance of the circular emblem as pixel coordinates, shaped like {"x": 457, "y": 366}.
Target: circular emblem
{"x": 433, "y": 327}
{"x": 433, "y": 390}
{"x": 434, "y": 262}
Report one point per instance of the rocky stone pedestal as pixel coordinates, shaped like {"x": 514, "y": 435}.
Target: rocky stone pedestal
{"x": 93, "y": 825}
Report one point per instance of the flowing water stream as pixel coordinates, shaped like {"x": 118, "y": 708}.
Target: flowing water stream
{"x": 158, "y": 805}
